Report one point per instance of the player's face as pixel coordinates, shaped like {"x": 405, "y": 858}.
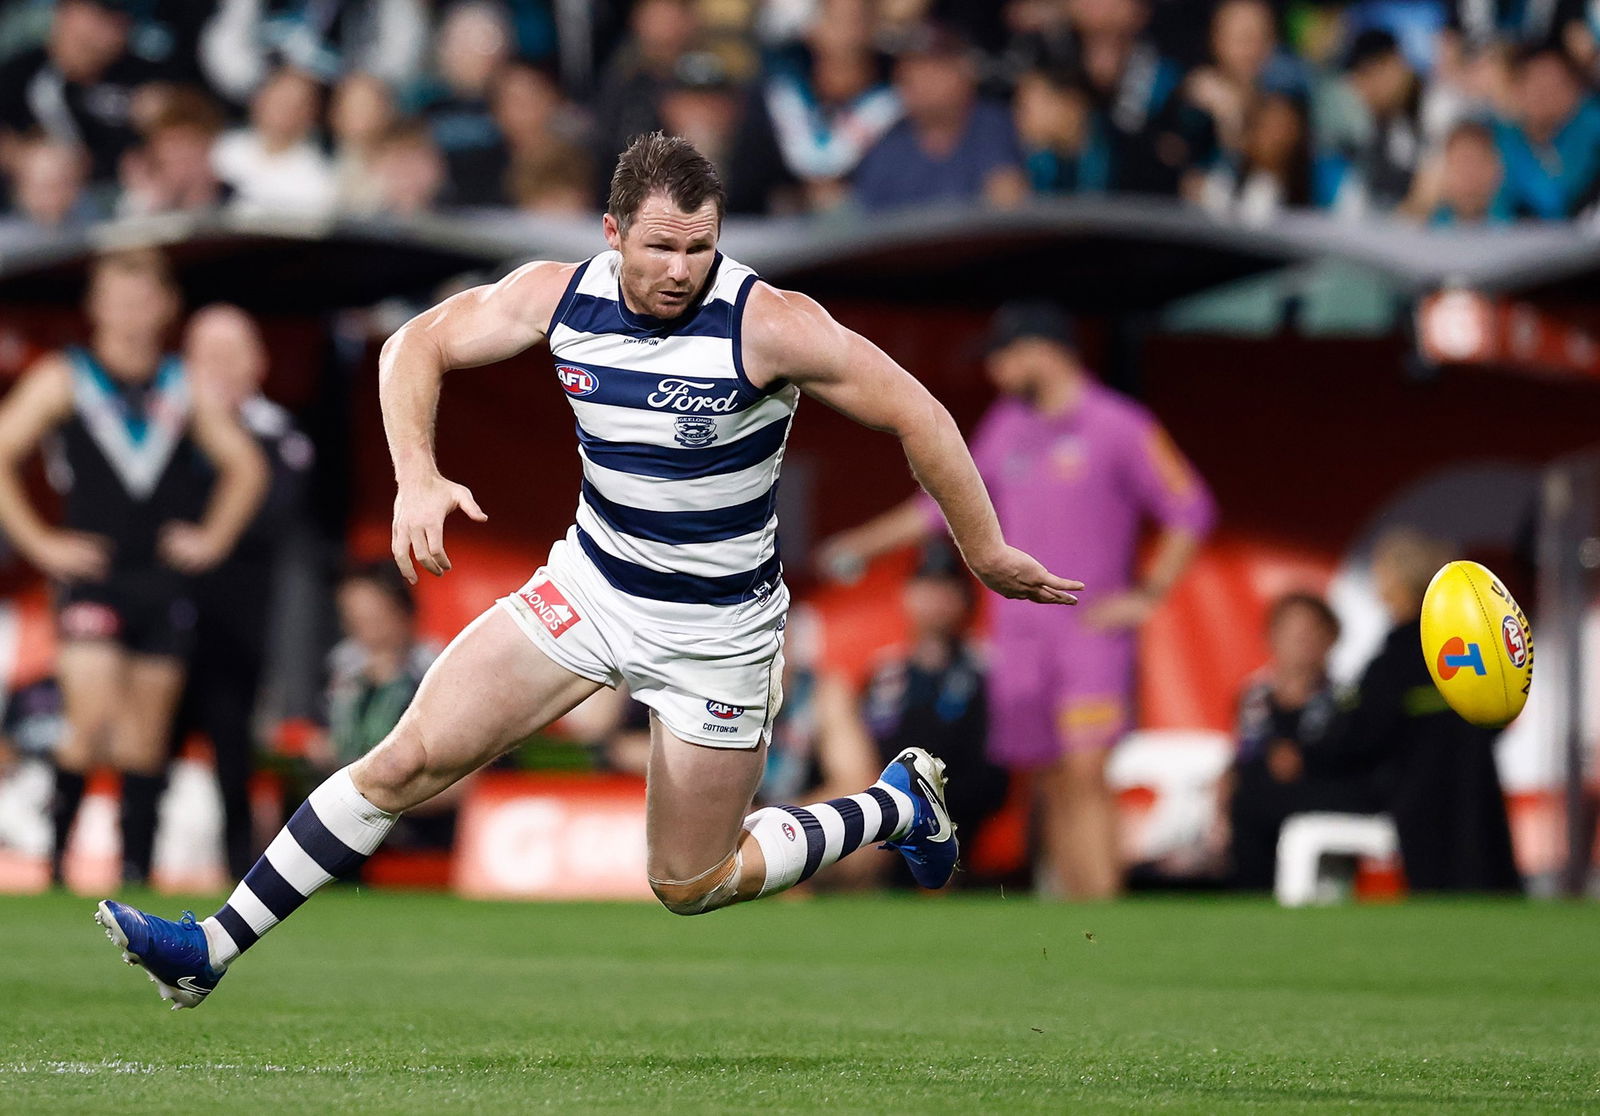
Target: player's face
{"x": 666, "y": 255}
{"x": 1025, "y": 366}
{"x": 223, "y": 351}
{"x": 130, "y": 303}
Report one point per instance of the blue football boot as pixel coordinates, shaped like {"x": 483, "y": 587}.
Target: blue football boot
{"x": 174, "y": 954}
{"x": 930, "y": 847}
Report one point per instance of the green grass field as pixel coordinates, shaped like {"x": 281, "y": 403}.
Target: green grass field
{"x": 368, "y": 1001}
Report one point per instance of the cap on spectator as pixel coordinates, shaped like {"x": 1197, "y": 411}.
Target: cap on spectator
{"x": 938, "y": 559}
{"x": 1370, "y": 45}
{"x": 702, "y": 70}
{"x": 1031, "y": 318}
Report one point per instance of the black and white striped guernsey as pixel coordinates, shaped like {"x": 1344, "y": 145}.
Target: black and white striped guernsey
{"x": 680, "y": 451}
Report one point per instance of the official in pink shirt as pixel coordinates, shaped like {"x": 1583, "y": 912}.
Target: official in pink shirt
{"x": 1075, "y": 471}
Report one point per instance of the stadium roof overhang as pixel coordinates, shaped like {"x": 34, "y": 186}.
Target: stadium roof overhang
{"x": 1106, "y": 255}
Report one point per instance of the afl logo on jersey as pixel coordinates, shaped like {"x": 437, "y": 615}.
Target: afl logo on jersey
{"x": 695, "y": 431}
{"x": 1516, "y": 645}
{"x": 724, "y": 712}
{"x": 577, "y": 381}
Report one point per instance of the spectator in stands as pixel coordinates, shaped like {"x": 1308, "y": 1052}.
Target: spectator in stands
{"x": 474, "y": 42}
{"x": 639, "y": 72}
{"x": 227, "y": 358}
{"x": 929, "y": 693}
{"x": 173, "y": 170}
{"x": 1284, "y": 714}
{"x": 361, "y": 115}
{"x": 1463, "y": 185}
{"x": 1147, "y": 133}
{"x": 1059, "y": 451}
{"x": 821, "y": 106}
{"x": 81, "y": 87}
{"x": 553, "y": 185}
{"x": 373, "y": 674}
{"x": 544, "y": 137}
{"x": 1551, "y": 146}
{"x": 246, "y": 41}
{"x": 1055, "y": 123}
{"x": 47, "y": 184}
{"x": 1245, "y": 63}
{"x": 1373, "y": 139}
{"x": 275, "y": 164}
{"x": 952, "y": 145}
{"x": 1436, "y": 773}
{"x": 1271, "y": 170}
{"x": 701, "y": 104}
{"x": 409, "y": 171}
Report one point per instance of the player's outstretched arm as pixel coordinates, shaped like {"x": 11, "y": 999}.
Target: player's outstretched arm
{"x": 789, "y": 336}
{"x": 473, "y": 328}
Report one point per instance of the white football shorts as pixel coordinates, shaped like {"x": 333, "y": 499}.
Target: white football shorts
{"x": 713, "y": 675}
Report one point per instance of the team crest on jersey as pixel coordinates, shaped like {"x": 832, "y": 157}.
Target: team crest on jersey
{"x": 577, "y": 381}
{"x": 695, "y": 431}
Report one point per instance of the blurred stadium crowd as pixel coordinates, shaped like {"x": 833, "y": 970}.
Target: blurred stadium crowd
{"x": 1444, "y": 111}
{"x": 1479, "y": 111}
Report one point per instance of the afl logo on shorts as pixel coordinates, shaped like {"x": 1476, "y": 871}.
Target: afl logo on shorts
{"x": 724, "y": 712}
{"x": 577, "y": 381}
{"x": 1516, "y": 645}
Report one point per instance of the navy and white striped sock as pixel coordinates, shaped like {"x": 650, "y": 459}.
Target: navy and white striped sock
{"x": 796, "y": 841}
{"x": 330, "y": 836}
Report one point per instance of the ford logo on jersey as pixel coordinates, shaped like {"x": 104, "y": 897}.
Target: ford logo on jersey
{"x": 693, "y": 396}
{"x": 577, "y": 381}
{"x": 724, "y": 712}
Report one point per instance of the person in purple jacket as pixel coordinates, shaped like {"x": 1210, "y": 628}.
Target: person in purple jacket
{"x": 1075, "y": 471}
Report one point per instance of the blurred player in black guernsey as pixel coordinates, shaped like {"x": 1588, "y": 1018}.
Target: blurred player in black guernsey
{"x": 226, "y": 358}
{"x": 123, "y": 427}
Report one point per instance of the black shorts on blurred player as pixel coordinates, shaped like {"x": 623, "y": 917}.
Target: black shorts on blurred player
{"x": 148, "y": 612}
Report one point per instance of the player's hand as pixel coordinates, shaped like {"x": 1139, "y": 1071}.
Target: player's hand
{"x": 420, "y": 509}
{"x": 1015, "y": 574}
{"x": 71, "y": 556}
{"x": 189, "y": 548}
{"x": 1121, "y": 612}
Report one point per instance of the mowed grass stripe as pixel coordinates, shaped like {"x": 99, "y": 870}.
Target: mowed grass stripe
{"x": 368, "y": 1001}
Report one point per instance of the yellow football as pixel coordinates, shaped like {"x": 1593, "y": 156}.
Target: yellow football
{"x": 1477, "y": 643}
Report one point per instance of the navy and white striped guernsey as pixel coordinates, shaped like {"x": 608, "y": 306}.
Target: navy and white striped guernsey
{"x": 680, "y": 451}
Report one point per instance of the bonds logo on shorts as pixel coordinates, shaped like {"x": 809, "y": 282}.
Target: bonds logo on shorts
{"x": 695, "y": 431}
{"x": 549, "y": 606}
{"x": 1456, "y": 655}
{"x": 724, "y": 712}
{"x": 577, "y": 381}
{"x": 1516, "y": 644}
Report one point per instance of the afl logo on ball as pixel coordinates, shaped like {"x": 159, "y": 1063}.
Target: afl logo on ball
{"x": 577, "y": 381}
{"x": 1516, "y": 645}
{"x": 723, "y": 711}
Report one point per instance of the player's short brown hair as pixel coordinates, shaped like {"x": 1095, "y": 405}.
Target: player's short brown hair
{"x": 670, "y": 165}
